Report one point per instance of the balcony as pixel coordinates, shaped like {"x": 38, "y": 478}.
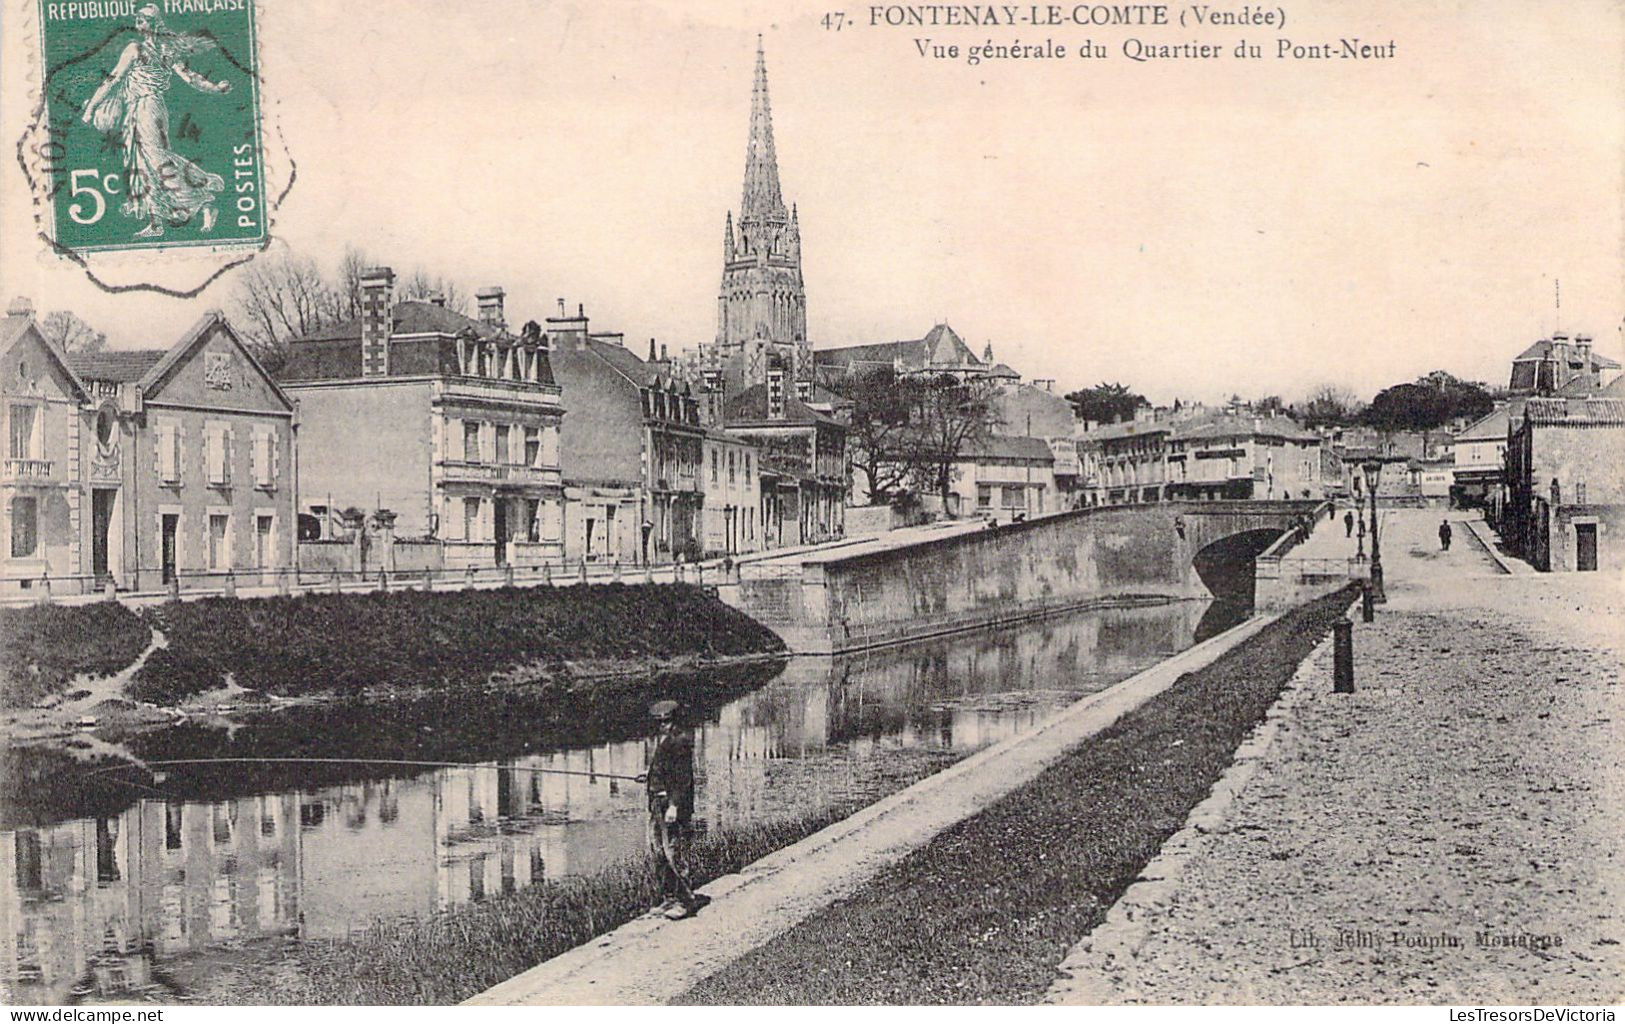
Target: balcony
{"x": 496, "y": 473}
{"x": 24, "y": 472}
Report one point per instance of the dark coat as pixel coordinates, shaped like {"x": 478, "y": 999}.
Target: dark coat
{"x": 671, "y": 774}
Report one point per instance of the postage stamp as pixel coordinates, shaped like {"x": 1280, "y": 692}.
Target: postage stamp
{"x": 151, "y": 124}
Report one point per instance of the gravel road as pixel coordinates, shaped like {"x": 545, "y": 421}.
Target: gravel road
{"x": 1451, "y": 833}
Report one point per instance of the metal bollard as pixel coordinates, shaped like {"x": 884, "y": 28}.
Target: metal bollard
{"x": 1342, "y": 656}
{"x": 230, "y": 589}
{"x": 383, "y": 580}
{"x": 1368, "y": 604}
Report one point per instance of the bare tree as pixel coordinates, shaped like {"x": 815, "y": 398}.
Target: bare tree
{"x": 280, "y": 297}
{"x": 1330, "y": 403}
{"x": 71, "y": 334}
{"x": 950, "y": 417}
{"x": 422, "y": 286}
{"x": 347, "y": 284}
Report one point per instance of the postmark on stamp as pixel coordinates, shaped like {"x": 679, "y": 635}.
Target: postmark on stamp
{"x": 150, "y": 136}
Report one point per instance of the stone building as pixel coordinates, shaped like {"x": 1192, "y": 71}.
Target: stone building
{"x": 801, "y": 461}
{"x": 632, "y": 447}
{"x": 449, "y": 422}
{"x": 733, "y": 495}
{"x": 1005, "y": 476}
{"x": 1239, "y": 456}
{"x": 147, "y": 466}
{"x": 1565, "y": 482}
{"x": 1123, "y": 463}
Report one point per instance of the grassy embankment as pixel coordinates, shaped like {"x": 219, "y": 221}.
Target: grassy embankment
{"x": 44, "y": 648}
{"x": 987, "y": 910}
{"x": 347, "y": 644}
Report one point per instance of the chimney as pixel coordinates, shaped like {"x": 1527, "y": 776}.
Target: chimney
{"x": 1582, "y": 351}
{"x": 22, "y": 305}
{"x": 437, "y": 299}
{"x": 711, "y": 383}
{"x": 571, "y": 331}
{"x": 663, "y": 352}
{"x": 775, "y": 390}
{"x": 490, "y": 300}
{"x": 377, "y": 320}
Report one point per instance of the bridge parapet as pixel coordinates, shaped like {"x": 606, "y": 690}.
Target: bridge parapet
{"x": 1112, "y": 554}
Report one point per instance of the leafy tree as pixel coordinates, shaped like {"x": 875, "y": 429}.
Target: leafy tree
{"x": 419, "y": 285}
{"x": 71, "y": 334}
{"x": 1106, "y": 403}
{"x": 1432, "y": 401}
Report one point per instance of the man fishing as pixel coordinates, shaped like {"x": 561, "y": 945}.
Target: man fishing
{"x": 671, "y": 810}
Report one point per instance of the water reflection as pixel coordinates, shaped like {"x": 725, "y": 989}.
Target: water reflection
{"x": 94, "y": 907}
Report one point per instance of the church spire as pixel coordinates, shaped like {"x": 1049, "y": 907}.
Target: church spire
{"x": 761, "y": 201}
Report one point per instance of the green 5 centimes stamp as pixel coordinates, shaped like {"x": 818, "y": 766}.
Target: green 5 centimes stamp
{"x": 151, "y": 121}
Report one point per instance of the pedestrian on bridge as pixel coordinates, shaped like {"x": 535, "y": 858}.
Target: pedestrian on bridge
{"x": 1348, "y": 523}
{"x": 1444, "y": 535}
{"x": 670, "y": 782}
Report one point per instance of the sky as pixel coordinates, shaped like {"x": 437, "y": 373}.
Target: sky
{"x": 1192, "y": 228}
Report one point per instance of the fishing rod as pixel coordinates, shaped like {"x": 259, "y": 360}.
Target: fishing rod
{"x": 367, "y": 760}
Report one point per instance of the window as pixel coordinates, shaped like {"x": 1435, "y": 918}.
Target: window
{"x": 264, "y": 549}
{"x": 1014, "y": 497}
{"x": 550, "y": 446}
{"x": 502, "y": 444}
{"x": 264, "y": 459}
{"x": 984, "y": 496}
{"x": 533, "y": 447}
{"x": 533, "y": 517}
{"x": 24, "y": 527}
{"x": 471, "y": 441}
{"x": 219, "y": 541}
{"x": 218, "y": 440}
{"x": 169, "y": 453}
{"x": 22, "y": 432}
{"x": 106, "y": 420}
{"x": 747, "y": 469}
{"x": 730, "y": 468}
{"x": 713, "y": 465}
{"x": 471, "y": 518}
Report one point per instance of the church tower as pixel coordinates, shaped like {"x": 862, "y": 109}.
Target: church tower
{"x": 762, "y": 308}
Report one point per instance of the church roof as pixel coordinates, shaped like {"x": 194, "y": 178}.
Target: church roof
{"x": 941, "y": 348}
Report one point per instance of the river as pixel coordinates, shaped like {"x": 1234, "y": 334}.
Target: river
{"x": 107, "y": 882}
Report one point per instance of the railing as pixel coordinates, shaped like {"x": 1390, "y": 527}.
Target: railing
{"x": 193, "y": 583}
{"x": 457, "y": 470}
{"x": 29, "y": 470}
{"x": 1275, "y": 568}
{"x": 770, "y": 571}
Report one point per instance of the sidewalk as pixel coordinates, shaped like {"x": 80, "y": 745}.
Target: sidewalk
{"x": 1449, "y": 833}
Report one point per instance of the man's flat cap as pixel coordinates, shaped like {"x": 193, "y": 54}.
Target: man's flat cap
{"x": 664, "y": 709}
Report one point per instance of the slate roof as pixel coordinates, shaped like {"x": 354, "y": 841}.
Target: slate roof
{"x": 1492, "y": 426}
{"x": 1004, "y": 446}
{"x": 409, "y": 317}
{"x": 1219, "y": 425}
{"x": 1116, "y": 431}
{"x": 601, "y": 437}
{"x": 1575, "y": 412}
{"x": 750, "y": 406}
{"x": 115, "y": 365}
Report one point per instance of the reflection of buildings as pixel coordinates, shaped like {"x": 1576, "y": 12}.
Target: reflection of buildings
{"x": 86, "y": 905}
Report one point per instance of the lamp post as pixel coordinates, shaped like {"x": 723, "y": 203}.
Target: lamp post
{"x": 1373, "y": 476}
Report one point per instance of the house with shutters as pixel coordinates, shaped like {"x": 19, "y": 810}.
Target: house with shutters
{"x": 148, "y": 466}
{"x": 445, "y": 427}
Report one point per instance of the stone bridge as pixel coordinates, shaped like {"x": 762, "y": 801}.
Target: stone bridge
{"x": 827, "y": 601}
